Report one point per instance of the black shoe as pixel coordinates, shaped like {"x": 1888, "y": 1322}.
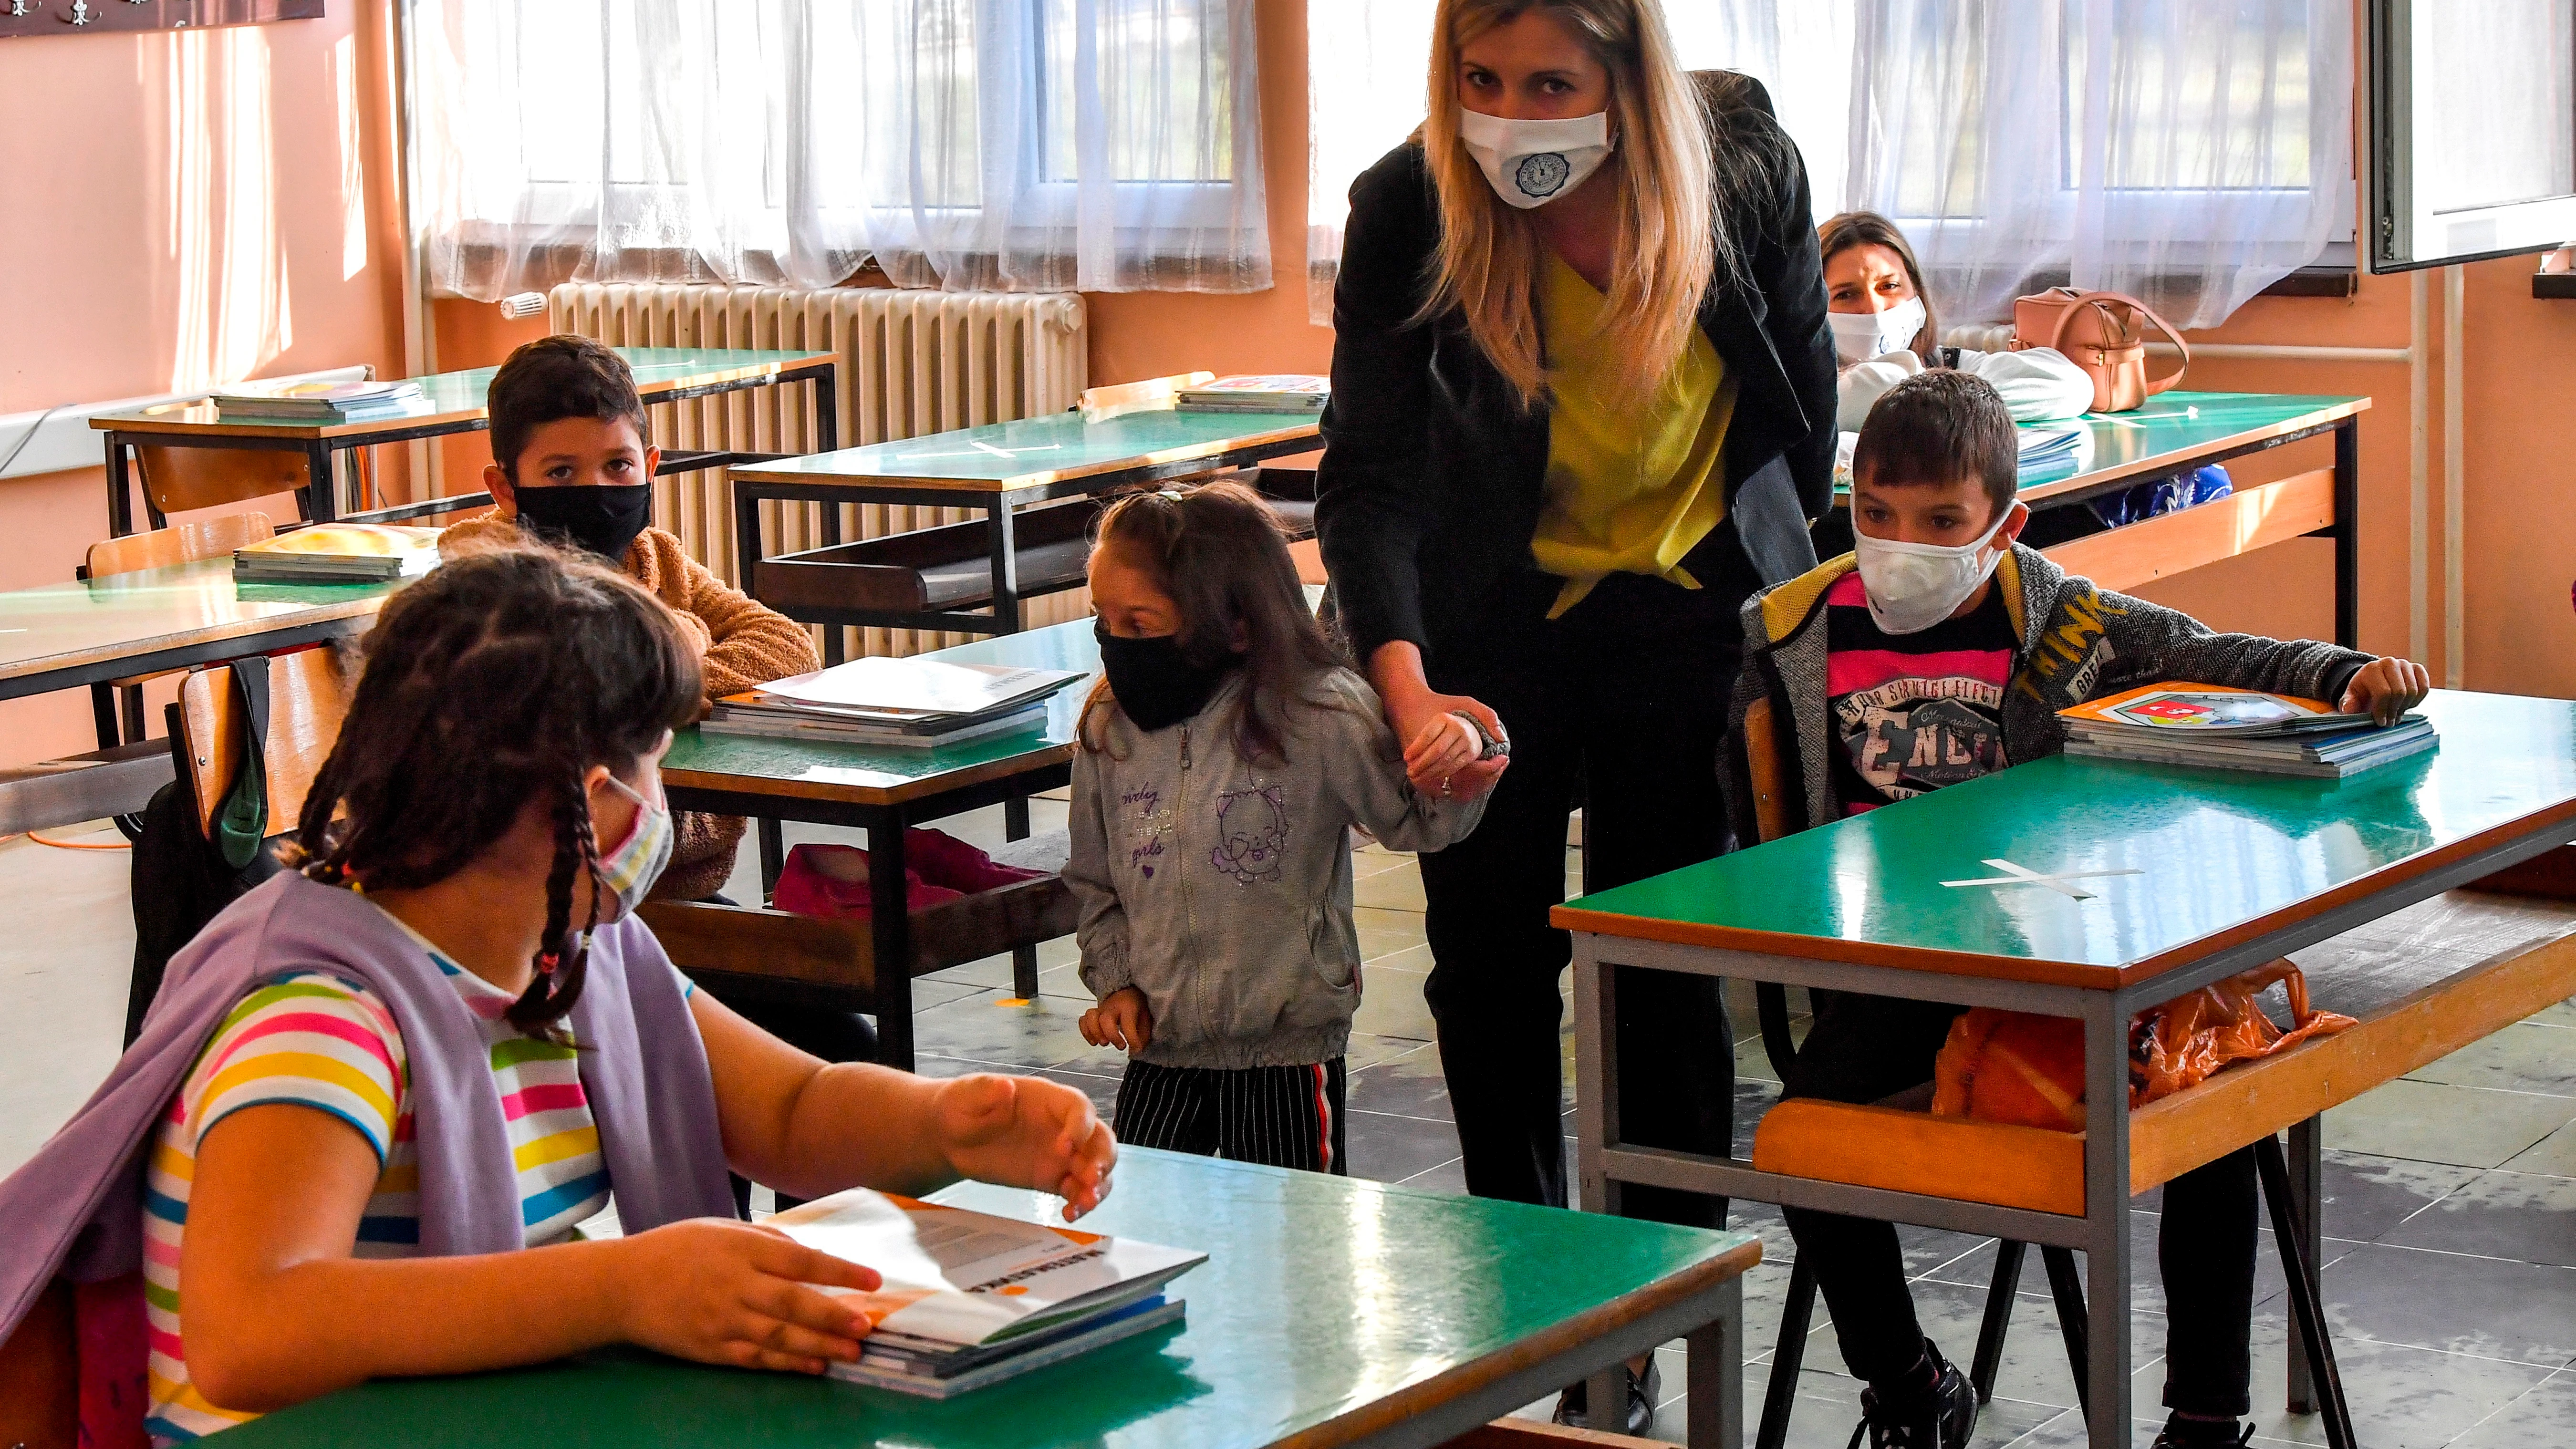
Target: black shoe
{"x": 2175, "y": 1436}
{"x": 1941, "y": 1419}
{"x": 1572, "y": 1409}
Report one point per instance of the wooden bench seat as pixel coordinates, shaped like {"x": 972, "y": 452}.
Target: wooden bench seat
{"x": 2422, "y": 983}
{"x": 834, "y": 961}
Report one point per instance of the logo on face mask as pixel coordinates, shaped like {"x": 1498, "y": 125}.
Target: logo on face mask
{"x": 1542, "y": 174}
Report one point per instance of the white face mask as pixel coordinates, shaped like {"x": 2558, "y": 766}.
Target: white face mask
{"x": 1531, "y": 163}
{"x": 1913, "y": 586}
{"x": 1860, "y": 336}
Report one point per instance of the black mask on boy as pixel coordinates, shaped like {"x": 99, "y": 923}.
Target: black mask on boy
{"x": 603, "y": 519}
{"x": 1152, "y": 682}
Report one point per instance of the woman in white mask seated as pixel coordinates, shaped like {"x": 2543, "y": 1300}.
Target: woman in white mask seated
{"x": 1885, "y": 331}
{"x": 1583, "y": 399}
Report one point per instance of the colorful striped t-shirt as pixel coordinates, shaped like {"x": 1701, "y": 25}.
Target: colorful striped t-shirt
{"x": 321, "y": 1041}
{"x": 1912, "y": 712}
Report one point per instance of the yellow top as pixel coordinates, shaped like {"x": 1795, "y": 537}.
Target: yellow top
{"x": 1630, "y": 489}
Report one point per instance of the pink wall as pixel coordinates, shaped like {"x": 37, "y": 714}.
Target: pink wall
{"x": 182, "y": 209}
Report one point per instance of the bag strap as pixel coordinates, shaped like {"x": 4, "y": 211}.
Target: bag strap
{"x": 2101, "y": 300}
{"x": 242, "y": 823}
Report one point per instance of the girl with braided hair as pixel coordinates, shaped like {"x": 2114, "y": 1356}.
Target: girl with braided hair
{"x": 376, "y": 1095}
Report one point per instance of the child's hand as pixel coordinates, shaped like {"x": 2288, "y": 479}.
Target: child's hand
{"x": 1121, "y": 1020}
{"x": 2386, "y": 688}
{"x": 1443, "y": 755}
{"x": 724, "y": 1292}
{"x": 1027, "y": 1132}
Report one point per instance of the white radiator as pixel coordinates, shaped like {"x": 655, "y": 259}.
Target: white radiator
{"x": 912, "y": 362}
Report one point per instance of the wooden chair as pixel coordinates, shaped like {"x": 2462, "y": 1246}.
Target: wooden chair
{"x": 182, "y": 480}
{"x": 40, "y": 1376}
{"x": 177, "y": 544}
{"x": 308, "y": 697}
{"x": 1773, "y": 786}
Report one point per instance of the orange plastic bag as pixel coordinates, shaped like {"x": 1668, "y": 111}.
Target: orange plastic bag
{"x": 2010, "y": 1066}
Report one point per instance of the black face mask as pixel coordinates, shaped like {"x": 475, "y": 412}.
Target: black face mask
{"x": 603, "y": 520}
{"x": 1153, "y": 683}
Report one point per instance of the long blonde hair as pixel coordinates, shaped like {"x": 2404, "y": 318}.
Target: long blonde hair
{"x": 1668, "y": 162}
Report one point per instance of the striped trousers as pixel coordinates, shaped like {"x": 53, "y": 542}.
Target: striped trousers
{"x": 1282, "y": 1116}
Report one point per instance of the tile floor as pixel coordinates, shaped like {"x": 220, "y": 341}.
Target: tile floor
{"x": 2450, "y": 1212}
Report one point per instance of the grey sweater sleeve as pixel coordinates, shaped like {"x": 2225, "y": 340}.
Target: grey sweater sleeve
{"x": 2156, "y": 645}
{"x": 1101, "y": 920}
{"x": 1367, "y": 773}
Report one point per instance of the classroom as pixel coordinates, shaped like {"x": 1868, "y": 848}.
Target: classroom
{"x": 1267, "y": 724}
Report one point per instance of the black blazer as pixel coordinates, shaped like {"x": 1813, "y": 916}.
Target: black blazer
{"x": 1431, "y": 482}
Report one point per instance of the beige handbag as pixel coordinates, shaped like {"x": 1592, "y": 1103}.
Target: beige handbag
{"x": 2101, "y": 333}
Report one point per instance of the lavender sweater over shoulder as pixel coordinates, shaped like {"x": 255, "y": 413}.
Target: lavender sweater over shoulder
{"x": 76, "y": 1206}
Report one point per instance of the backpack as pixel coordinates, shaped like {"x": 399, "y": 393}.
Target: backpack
{"x": 181, "y": 878}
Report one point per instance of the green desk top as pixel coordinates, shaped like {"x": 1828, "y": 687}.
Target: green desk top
{"x": 2174, "y": 428}
{"x": 457, "y": 397}
{"x": 1321, "y": 1297}
{"x": 1032, "y": 452}
{"x": 2220, "y": 856}
{"x": 64, "y": 626}
{"x": 878, "y": 775}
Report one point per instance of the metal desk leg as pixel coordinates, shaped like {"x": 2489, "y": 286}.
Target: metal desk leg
{"x": 890, "y": 937}
{"x": 827, "y": 409}
{"x": 102, "y": 709}
{"x": 1024, "y": 959}
{"x": 773, "y": 856}
{"x": 2106, "y": 1213}
{"x": 2307, "y": 1197}
{"x": 120, "y": 499}
{"x": 1715, "y": 1367}
{"x": 1006, "y": 572}
{"x": 2347, "y": 532}
{"x": 321, "y": 483}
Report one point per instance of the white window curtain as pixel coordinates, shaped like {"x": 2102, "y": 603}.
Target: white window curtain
{"x": 2189, "y": 152}
{"x": 1018, "y": 145}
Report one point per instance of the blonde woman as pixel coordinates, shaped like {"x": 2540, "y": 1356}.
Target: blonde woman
{"x": 1583, "y": 403}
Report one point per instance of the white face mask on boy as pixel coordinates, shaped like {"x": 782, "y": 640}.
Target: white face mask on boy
{"x": 1860, "y": 336}
{"x": 1531, "y": 163}
{"x": 1913, "y": 586}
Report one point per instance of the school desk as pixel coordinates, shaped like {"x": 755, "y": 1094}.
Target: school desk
{"x": 63, "y": 636}
{"x": 2177, "y": 432}
{"x": 883, "y": 790}
{"x": 2093, "y": 889}
{"x": 995, "y": 469}
{"x": 1331, "y": 1311}
{"x": 450, "y": 402}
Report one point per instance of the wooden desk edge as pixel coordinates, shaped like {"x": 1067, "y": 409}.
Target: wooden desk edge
{"x": 242, "y": 628}
{"x": 1027, "y": 762}
{"x": 2158, "y": 463}
{"x": 1036, "y": 479}
{"x": 1560, "y": 1338}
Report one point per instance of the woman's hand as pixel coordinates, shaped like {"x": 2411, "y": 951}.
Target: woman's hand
{"x": 2386, "y": 688}
{"x": 1122, "y": 1020}
{"x": 734, "y": 1293}
{"x": 1439, "y": 751}
{"x": 1026, "y": 1132}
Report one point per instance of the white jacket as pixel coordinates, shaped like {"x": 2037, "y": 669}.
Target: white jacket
{"x": 2038, "y": 383}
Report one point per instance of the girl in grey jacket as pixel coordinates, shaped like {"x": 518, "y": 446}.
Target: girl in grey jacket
{"x": 1221, "y": 764}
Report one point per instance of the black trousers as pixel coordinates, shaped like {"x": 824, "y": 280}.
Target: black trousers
{"x": 1280, "y": 1116}
{"x": 1863, "y": 1048}
{"x": 1620, "y": 705}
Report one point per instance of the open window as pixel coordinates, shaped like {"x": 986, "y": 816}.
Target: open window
{"x": 2472, "y": 130}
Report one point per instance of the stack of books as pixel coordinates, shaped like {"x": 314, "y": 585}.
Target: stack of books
{"x": 916, "y": 704}
{"x": 1258, "y": 393}
{"x": 2041, "y": 444}
{"x": 338, "y": 553}
{"x": 2218, "y": 728}
{"x": 970, "y": 1299}
{"x": 316, "y": 402}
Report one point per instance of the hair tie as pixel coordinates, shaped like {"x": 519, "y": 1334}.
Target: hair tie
{"x": 547, "y": 961}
